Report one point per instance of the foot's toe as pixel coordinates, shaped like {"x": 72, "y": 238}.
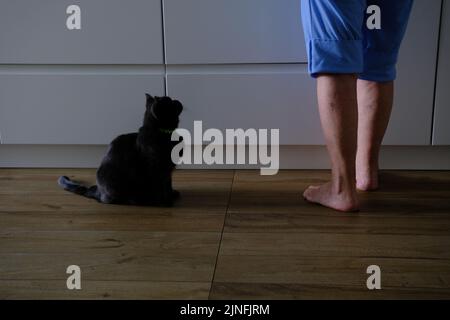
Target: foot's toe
{"x": 308, "y": 194}
{"x": 325, "y": 196}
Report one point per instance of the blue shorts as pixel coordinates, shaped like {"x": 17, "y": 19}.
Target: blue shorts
{"x": 338, "y": 40}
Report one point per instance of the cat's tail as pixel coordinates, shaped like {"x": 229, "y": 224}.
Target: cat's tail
{"x": 77, "y": 188}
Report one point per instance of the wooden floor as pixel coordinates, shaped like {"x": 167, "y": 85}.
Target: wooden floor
{"x": 234, "y": 235}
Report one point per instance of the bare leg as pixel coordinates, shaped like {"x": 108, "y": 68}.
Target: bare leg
{"x": 339, "y": 117}
{"x": 374, "y": 110}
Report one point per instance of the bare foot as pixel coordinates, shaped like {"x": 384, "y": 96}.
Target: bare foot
{"x": 324, "y": 195}
{"x": 366, "y": 178}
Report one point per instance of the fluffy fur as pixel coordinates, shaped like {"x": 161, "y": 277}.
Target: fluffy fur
{"x": 137, "y": 169}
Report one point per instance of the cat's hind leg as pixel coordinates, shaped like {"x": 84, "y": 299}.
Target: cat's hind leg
{"x": 108, "y": 195}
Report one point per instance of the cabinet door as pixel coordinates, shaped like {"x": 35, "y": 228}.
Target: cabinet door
{"x": 200, "y": 32}
{"x": 441, "y": 134}
{"x": 233, "y": 31}
{"x": 73, "y": 108}
{"x": 413, "y": 107}
{"x": 112, "y": 32}
{"x": 271, "y": 97}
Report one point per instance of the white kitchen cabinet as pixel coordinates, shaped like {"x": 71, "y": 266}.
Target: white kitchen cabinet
{"x": 112, "y": 32}
{"x": 73, "y": 108}
{"x": 233, "y": 31}
{"x": 233, "y": 63}
{"x": 203, "y": 32}
{"x": 412, "y": 115}
{"x": 271, "y": 97}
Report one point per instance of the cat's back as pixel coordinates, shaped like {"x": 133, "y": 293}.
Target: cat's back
{"x": 123, "y": 145}
{"x": 125, "y": 140}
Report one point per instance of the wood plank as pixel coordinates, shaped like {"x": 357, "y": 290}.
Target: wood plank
{"x": 35, "y": 192}
{"x": 333, "y": 271}
{"x": 391, "y": 179}
{"x": 274, "y": 245}
{"x": 125, "y": 251}
{"x": 336, "y": 245}
{"x": 115, "y": 256}
{"x": 31, "y": 200}
{"x": 93, "y": 242}
{"x": 104, "y": 221}
{"x": 109, "y": 266}
{"x": 420, "y": 223}
{"x": 276, "y": 291}
{"x": 215, "y": 202}
{"x": 277, "y": 246}
{"x": 401, "y": 193}
{"x": 128, "y": 290}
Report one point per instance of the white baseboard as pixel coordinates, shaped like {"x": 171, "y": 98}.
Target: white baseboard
{"x": 291, "y": 157}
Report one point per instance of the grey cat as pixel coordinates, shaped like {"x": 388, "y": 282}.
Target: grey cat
{"x": 137, "y": 168}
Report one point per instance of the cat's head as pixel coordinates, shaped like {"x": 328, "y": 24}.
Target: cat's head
{"x": 162, "y": 111}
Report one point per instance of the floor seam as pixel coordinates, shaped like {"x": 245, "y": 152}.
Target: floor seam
{"x": 221, "y": 234}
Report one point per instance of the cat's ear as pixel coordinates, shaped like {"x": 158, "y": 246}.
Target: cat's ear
{"x": 150, "y": 99}
{"x": 155, "y": 107}
{"x": 178, "y": 106}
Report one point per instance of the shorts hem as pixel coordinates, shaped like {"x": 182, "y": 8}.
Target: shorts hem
{"x": 335, "y": 56}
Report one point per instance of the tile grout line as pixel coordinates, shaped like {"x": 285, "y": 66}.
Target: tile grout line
{"x": 221, "y": 234}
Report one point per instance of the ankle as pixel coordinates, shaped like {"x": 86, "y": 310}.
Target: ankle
{"x": 343, "y": 185}
{"x": 367, "y": 164}
{"x": 367, "y": 158}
